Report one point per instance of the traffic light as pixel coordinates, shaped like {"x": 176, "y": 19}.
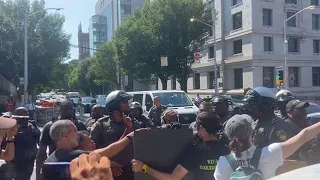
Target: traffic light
{"x": 279, "y": 77}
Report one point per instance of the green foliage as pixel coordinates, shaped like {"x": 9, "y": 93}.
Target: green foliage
{"x": 48, "y": 44}
{"x": 162, "y": 28}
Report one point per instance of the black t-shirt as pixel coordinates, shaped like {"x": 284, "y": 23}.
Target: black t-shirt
{"x": 60, "y": 155}
{"x": 201, "y": 159}
{"x": 46, "y": 140}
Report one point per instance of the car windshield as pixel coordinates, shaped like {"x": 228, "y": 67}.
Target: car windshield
{"x": 312, "y": 109}
{"x": 86, "y": 100}
{"x": 174, "y": 99}
{"x": 101, "y": 101}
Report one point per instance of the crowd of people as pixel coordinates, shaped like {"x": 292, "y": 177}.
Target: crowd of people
{"x": 254, "y": 145}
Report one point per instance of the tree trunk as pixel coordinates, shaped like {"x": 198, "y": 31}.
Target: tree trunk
{"x": 164, "y": 83}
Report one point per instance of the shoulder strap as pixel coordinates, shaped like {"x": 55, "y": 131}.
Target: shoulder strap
{"x": 256, "y": 157}
{"x": 232, "y": 161}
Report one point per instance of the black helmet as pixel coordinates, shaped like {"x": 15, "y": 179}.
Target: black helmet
{"x": 263, "y": 97}
{"x": 221, "y": 99}
{"x": 284, "y": 96}
{"x": 136, "y": 105}
{"x": 114, "y": 98}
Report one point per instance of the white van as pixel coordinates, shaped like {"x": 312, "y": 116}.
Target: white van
{"x": 173, "y": 99}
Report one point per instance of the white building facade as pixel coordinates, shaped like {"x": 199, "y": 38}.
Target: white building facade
{"x": 250, "y": 45}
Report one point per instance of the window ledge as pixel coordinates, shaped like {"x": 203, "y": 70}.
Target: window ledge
{"x": 269, "y": 52}
{"x": 267, "y": 26}
{"x": 316, "y": 30}
{"x": 294, "y": 53}
{"x": 239, "y": 54}
{"x": 316, "y": 54}
{"x": 236, "y": 30}
{"x": 237, "y": 5}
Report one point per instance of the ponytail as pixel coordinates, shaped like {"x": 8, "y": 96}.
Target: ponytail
{"x": 239, "y": 145}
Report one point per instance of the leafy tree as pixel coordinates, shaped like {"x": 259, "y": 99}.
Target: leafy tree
{"x": 162, "y": 28}
{"x": 48, "y": 44}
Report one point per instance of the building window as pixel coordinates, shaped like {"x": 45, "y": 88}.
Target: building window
{"x": 316, "y": 21}
{"x": 211, "y": 52}
{"x": 235, "y": 2}
{"x": 268, "y": 77}
{"x": 173, "y": 83}
{"x": 291, "y": 1}
{"x": 316, "y": 46}
{"x": 293, "y": 21}
{"x": 293, "y": 45}
{"x": 237, "y": 20}
{"x": 293, "y": 77}
{"x": 196, "y": 81}
{"x": 211, "y": 83}
{"x": 238, "y": 78}
{"x": 237, "y": 47}
{"x": 268, "y": 43}
{"x": 267, "y": 17}
{"x": 315, "y": 2}
{"x": 316, "y": 76}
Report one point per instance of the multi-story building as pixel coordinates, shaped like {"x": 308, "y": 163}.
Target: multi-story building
{"x": 250, "y": 45}
{"x": 116, "y": 11}
{"x": 83, "y": 43}
{"x": 97, "y": 32}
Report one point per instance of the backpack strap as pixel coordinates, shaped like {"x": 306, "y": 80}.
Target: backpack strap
{"x": 256, "y": 157}
{"x": 232, "y": 161}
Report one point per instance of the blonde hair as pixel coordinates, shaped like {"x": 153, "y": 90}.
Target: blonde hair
{"x": 168, "y": 113}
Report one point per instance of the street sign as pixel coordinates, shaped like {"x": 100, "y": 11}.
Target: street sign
{"x": 279, "y": 68}
{"x": 197, "y": 57}
{"x": 21, "y": 81}
{"x": 164, "y": 61}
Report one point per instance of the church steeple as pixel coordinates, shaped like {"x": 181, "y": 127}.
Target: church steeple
{"x": 80, "y": 28}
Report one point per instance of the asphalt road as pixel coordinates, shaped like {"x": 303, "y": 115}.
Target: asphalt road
{"x": 33, "y": 177}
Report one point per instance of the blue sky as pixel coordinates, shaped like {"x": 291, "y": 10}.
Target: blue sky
{"x": 75, "y": 11}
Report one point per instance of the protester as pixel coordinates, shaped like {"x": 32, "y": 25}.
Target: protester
{"x": 221, "y": 107}
{"x": 283, "y": 97}
{"x": 136, "y": 114}
{"x": 66, "y": 112}
{"x": 156, "y": 111}
{"x": 199, "y": 160}
{"x": 246, "y": 156}
{"x": 203, "y": 107}
{"x": 261, "y": 103}
{"x": 198, "y": 100}
{"x": 91, "y": 166}
{"x": 85, "y": 142}
{"x": 31, "y": 108}
{"x": 9, "y": 105}
{"x": 25, "y": 142}
{"x": 96, "y": 113}
{"x": 110, "y": 129}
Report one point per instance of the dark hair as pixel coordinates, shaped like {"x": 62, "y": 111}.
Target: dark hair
{"x": 82, "y": 134}
{"x": 210, "y": 121}
{"x": 207, "y": 106}
{"x": 238, "y": 146}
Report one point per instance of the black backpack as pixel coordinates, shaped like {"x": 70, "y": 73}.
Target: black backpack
{"x": 26, "y": 142}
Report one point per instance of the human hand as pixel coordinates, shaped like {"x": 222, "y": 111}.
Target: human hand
{"x": 127, "y": 122}
{"x": 13, "y": 131}
{"x": 138, "y": 130}
{"x": 136, "y": 165}
{"x": 91, "y": 167}
{"x": 116, "y": 168}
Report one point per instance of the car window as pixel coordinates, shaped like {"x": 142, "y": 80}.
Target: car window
{"x": 312, "y": 109}
{"x": 174, "y": 99}
{"x": 138, "y": 98}
{"x": 148, "y": 102}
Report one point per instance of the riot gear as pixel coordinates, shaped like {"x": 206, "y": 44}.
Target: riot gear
{"x": 114, "y": 99}
{"x": 136, "y": 105}
{"x": 283, "y": 97}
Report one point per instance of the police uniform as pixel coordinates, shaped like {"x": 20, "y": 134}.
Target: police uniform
{"x": 142, "y": 122}
{"x": 105, "y": 132}
{"x": 155, "y": 114}
{"x": 271, "y": 131}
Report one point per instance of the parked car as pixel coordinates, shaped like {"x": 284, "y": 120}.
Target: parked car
{"x": 313, "y": 113}
{"x": 87, "y": 103}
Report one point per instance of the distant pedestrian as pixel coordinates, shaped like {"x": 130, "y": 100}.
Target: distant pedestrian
{"x": 31, "y": 108}
{"x": 156, "y": 111}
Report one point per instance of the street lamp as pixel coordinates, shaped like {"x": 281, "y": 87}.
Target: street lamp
{"x": 286, "y": 43}
{"x": 213, "y": 11}
{"x": 26, "y": 50}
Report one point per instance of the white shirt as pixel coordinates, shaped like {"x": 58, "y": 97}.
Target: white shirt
{"x": 271, "y": 158}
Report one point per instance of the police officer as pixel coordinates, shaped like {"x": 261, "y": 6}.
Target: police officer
{"x": 156, "y": 111}
{"x": 21, "y": 167}
{"x": 221, "y": 107}
{"x": 283, "y": 97}
{"x": 136, "y": 114}
{"x": 110, "y": 129}
{"x": 268, "y": 127}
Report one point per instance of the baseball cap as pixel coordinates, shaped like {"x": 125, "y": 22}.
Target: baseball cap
{"x": 7, "y": 123}
{"x": 239, "y": 126}
{"x": 296, "y": 104}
